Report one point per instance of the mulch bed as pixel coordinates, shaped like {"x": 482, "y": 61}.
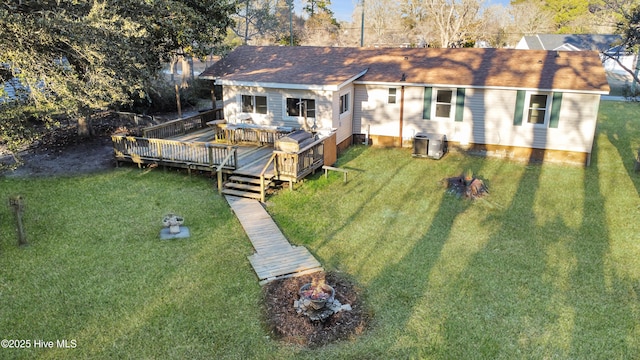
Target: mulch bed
{"x": 290, "y": 327}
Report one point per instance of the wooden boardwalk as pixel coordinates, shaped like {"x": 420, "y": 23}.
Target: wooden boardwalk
{"x": 274, "y": 258}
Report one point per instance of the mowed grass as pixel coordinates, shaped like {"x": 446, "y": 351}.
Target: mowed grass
{"x": 547, "y": 266}
{"x": 96, "y": 271}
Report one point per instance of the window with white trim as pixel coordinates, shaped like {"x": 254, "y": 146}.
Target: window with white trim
{"x": 254, "y": 104}
{"x": 344, "y": 103}
{"x": 393, "y": 95}
{"x": 296, "y": 107}
{"x": 538, "y": 109}
{"x": 444, "y": 103}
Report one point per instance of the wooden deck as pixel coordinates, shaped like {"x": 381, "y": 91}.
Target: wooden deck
{"x": 274, "y": 258}
{"x": 251, "y": 158}
{"x": 241, "y": 155}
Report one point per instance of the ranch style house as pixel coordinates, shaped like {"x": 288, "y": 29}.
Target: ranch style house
{"x": 533, "y": 104}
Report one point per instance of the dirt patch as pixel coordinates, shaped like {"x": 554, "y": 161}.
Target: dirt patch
{"x": 290, "y": 327}
{"x": 61, "y": 151}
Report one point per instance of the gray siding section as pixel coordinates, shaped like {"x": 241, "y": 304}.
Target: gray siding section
{"x": 359, "y": 97}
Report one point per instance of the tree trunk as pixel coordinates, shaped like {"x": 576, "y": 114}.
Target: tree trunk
{"x": 172, "y": 67}
{"x": 186, "y": 67}
{"x": 85, "y": 127}
{"x": 246, "y": 23}
{"x": 178, "y": 101}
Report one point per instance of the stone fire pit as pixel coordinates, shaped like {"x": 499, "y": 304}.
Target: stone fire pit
{"x": 317, "y": 301}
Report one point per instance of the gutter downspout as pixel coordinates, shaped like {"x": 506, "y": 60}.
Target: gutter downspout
{"x": 402, "y": 79}
{"x": 401, "y": 112}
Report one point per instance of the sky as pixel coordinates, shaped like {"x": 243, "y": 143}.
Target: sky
{"x": 343, "y": 9}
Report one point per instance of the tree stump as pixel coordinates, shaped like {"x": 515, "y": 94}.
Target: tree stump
{"x": 16, "y": 203}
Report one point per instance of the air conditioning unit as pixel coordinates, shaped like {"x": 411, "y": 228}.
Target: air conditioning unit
{"x": 432, "y": 146}
{"x": 420, "y": 145}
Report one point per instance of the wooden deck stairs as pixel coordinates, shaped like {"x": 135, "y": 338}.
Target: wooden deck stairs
{"x": 246, "y": 181}
{"x": 247, "y": 186}
{"x": 274, "y": 258}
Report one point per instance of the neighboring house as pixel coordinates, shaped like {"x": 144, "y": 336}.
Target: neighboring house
{"x": 13, "y": 89}
{"x": 525, "y": 103}
{"x": 582, "y": 42}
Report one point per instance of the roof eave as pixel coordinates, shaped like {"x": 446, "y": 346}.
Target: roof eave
{"x": 274, "y": 85}
{"x": 288, "y": 86}
{"x": 581, "y": 91}
{"x": 352, "y": 79}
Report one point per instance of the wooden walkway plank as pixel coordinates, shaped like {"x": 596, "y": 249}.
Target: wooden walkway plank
{"x": 275, "y": 257}
{"x": 277, "y": 268}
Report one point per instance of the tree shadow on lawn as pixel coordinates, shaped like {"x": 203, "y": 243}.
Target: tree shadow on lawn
{"x": 439, "y": 305}
{"x": 626, "y": 142}
{"x": 537, "y": 286}
{"x": 534, "y": 285}
{"x": 401, "y": 285}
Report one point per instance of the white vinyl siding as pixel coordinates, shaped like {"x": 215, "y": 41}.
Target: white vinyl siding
{"x": 487, "y": 118}
{"x": 276, "y": 111}
{"x": 491, "y": 118}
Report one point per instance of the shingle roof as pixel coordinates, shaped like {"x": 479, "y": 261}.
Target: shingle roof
{"x": 333, "y": 66}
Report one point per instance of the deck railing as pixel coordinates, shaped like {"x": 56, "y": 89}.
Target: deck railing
{"x": 294, "y": 166}
{"x": 170, "y": 152}
{"x": 181, "y": 126}
{"x": 252, "y": 134}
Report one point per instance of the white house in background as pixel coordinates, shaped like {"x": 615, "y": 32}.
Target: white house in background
{"x": 533, "y": 104}
{"x": 582, "y": 42}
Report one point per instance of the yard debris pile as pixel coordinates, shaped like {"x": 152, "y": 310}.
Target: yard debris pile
{"x": 466, "y": 185}
{"x": 291, "y": 327}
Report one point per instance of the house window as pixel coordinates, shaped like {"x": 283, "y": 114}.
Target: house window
{"x": 296, "y": 107}
{"x": 392, "y": 95}
{"x": 344, "y": 103}
{"x": 444, "y": 103}
{"x": 538, "y": 109}
{"x": 254, "y": 104}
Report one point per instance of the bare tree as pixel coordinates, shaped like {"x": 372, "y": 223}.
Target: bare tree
{"x": 531, "y": 18}
{"x": 255, "y": 19}
{"x": 321, "y": 28}
{"x": 492, "y": 27}
{"x": 449, "y": 23}
{"x": 382, "y": 22}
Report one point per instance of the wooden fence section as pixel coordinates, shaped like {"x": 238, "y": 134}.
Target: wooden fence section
{"x": 181, "y": 126}
{"x": 191, "y": 155}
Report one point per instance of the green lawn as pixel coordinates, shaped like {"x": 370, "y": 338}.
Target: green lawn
{"x": 548, "y": 266}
